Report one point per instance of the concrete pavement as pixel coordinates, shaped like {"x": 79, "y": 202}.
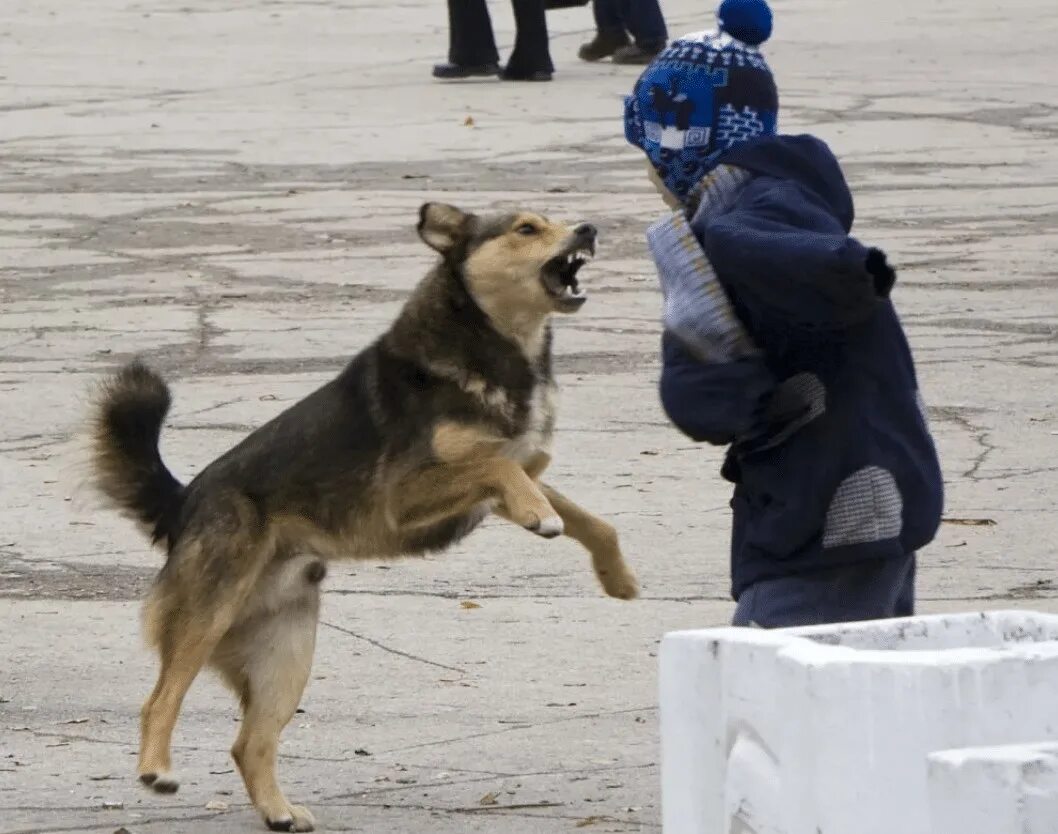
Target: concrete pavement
{"x": 230, "y": 190}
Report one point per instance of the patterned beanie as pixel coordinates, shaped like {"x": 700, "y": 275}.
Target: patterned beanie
{"x": 702, "y": 94}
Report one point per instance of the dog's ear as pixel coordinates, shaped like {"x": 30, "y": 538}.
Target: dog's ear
{"x": 442, "y": 227}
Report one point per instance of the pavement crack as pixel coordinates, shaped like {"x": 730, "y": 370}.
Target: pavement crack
{"x": 102, "y": 826}
{"x": 982, "y": 439}
{"x": 390, "y": 650}
{"x": 515, "y": 729}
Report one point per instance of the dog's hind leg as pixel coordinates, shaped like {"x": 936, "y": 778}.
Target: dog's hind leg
{"x": 600, "y": 540}
{"x": 195, "y": 602}
{"x": 184, "y": 647}
{"x": 267, "y": 660}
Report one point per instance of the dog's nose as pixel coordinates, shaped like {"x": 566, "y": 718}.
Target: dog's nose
{"x": 587, "y": 231}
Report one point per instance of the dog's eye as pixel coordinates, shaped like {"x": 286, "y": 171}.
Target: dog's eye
{"x": 526, "y": 229}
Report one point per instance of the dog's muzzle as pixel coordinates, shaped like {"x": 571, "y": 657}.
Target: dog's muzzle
{"x": 559, "y": 275}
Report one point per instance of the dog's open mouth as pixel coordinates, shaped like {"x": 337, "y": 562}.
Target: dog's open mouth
{"x": 559, "y": 277}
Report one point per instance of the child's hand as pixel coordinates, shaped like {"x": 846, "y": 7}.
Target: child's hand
{"x": 883, "y": 274}
{"x": 781, "y": 413}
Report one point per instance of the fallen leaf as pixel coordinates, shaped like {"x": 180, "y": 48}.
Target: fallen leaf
{"x": 488, "y": 799}
{"x": 216, "y": 805}
{"x": 76, "y": 721}
{"x": 468, "y": 121}
{"x": 221, "y": 772}
{"x": 468, "y": 605}
{"x": 104, "y": 778}
{"x": 971, "y": 522}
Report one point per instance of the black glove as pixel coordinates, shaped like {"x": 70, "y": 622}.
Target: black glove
{"x": 883, "y": 274}
{"x": 777, "y": 413}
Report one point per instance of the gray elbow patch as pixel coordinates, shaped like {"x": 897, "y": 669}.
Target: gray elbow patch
{"x": 867, "y": 507}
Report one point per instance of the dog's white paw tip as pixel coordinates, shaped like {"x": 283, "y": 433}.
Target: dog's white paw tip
{"x": 550, "y": 527}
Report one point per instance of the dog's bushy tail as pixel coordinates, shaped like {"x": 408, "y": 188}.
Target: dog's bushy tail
{"x": 126, "y": 465}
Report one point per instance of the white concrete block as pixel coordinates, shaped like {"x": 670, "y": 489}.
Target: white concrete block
{"x": 827, "y": 730}
{"x": 1014, "y": 788}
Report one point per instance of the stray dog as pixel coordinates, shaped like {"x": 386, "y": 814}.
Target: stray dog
{"x": 446, "y": 418}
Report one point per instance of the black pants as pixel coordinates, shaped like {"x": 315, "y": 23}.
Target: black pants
{"x": 875, "y": 589}
{"x": 472, "y": 43}
{"x": 642, "y": 18}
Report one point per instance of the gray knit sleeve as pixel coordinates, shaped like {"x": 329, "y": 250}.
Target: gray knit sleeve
{"x": 697, "y": 309}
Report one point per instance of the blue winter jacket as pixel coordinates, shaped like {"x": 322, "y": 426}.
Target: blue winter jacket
{"x": 830, "y": 451}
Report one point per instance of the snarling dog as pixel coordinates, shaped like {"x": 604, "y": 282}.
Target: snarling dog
{"x": 446, "y": 418}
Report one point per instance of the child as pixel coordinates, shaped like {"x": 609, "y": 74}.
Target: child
{"x": 780, "y": 340}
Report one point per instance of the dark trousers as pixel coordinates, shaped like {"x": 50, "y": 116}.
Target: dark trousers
{"x": 641, "y": 18}
{"x": 472, "y": 43}
{"x": 875, "y": 589}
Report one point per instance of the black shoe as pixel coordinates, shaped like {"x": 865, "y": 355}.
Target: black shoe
{"x": 455, "y": 71}
{"x": 603, "y": 45}
{"x": 636, "y": 54}
{"x": 506, "y": 74}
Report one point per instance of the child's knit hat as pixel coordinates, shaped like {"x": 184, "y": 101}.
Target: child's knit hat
{"x": 704, "y": 93}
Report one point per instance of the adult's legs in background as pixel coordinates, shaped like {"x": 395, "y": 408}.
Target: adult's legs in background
{"x": 531, "y": 58}
{"x": 643, "y": 18}
{"x": 471, "y": 44}
{"x": 610, "y": 34}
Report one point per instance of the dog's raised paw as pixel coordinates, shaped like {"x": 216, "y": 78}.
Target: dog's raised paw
{"x": 160, "y": 782}
{"x": 550, "y": 527}
{"x": 620, "y": 584}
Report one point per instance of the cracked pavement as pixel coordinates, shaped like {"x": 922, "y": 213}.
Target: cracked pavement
{"x": 230, "y": 191}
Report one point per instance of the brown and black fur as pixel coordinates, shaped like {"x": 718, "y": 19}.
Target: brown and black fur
{"x": 446, "y": 418}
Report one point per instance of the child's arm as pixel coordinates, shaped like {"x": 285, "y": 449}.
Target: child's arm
{"x": 715, "y": 386}
{"x": 713, "y": 403}
{"x": 788, "y": 256}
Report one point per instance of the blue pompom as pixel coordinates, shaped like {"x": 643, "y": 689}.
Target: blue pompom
{"x": 746, "y": 20}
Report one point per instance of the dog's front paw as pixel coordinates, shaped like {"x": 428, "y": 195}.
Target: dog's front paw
{"x": 297, "y": 818}
{"x": 160, "y": 782}
{"x": 619, "y": 582}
